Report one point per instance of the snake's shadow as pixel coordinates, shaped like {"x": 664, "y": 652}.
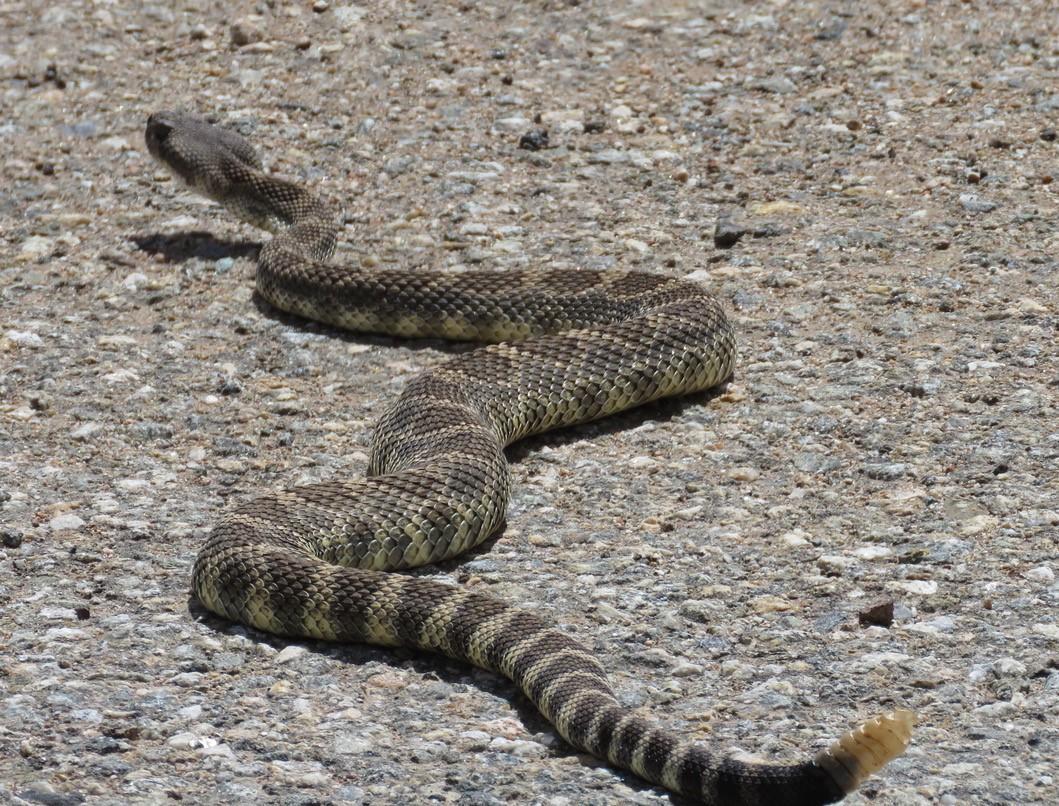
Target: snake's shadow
{"x": 180, "y": 247}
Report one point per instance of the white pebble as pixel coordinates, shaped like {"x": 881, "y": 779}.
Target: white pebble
{"x": 1009, "y": 667}
{"x": 872, "y": 552}
{"x": 84, "y": 431}
{"x": 289, "y": 653}
{"x": 65, "y": 521}
{"x": 134, "y": 281}
{"x": 23, "y": 338}
{"x": 222, "y": 750}
{"x": 834, "y": 563}
{"x": 795, "y": 538}
{"x": 1042, "y": 573}
{"x": 64, "y": 634}
{"x": 36, "y": 246}
{"x": 920, "y": 587}
{"x": 58, "y": 613}
{"x": 191, "y": 741}
{"x": 1047, "y": 630}
{"x": 517, "y": 747}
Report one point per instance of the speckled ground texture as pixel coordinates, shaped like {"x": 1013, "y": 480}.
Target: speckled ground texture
{"x": 885, "y": 170}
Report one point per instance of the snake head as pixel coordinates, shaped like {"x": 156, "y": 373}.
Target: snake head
{"x": 208, "y": 158}
{"x": 221, "y": 165}
{"x": 169, "y": 137}
{"x": 159, "y": 126}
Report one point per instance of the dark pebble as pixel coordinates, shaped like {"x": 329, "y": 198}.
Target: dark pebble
{"x": 727, "y": 233}
{"x": 878, "y": 614}
{"x": 51, "y": 73}
{"x": 830, "y": 30}
{"x": 534, "y": 140}
{"x": 103, "y": 745}
{"x": 11, "y": 538}
{"x": 1048, "y": 135}
{"x": 595, "y": 126}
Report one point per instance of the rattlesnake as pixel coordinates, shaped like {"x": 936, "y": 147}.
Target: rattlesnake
{"x": 565, "y": 347}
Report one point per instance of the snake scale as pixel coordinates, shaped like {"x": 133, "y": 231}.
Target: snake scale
{"x": 563, "y": 347}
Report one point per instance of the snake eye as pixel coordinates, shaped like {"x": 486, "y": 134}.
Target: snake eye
{"x": 159, "y": 126}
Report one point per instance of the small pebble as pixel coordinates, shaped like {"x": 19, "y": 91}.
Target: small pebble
{"x": 64, "y": 522}
{"x": 727, "y": 233}
{"x": 880, "y": 613}
{"x": 534, "y": 140}
{"x": 289, "y": 653}
{"x": 975, "y": 204}
{"x": 245, "y": 32}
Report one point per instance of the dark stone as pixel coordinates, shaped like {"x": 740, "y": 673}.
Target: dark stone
{"x": 727, "y": 233}
{"x": 534, "y": 140}
{"x": 104, "y": 745}
{"x": 878, "y": 614}
{"x": 51, "y": 73}
{"x": 229, "y": 387}
{"x": 830, "y": 30}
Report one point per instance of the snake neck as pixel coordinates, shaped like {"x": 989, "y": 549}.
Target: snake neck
{"x": 306, "y": 226}
{"x": 223, "y": 166}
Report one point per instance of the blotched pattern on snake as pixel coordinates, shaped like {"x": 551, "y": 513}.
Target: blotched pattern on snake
{"x": 564, "y": 347}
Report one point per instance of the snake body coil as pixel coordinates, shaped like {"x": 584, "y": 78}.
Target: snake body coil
{"x": 565, "y": 347}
